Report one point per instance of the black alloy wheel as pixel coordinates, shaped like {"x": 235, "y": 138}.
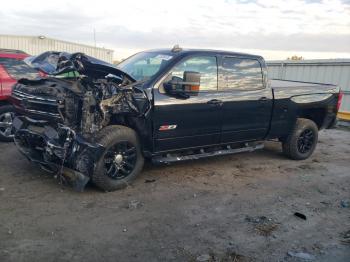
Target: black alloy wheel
{"x": 302, "y": 140}
{"x": 120, "y": 160}
{"x": 306, "y": 141}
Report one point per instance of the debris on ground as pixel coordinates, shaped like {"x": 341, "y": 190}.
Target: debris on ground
{"x": 263, "y": 226}
{"x": 345, "y": 203}
{"x": 134, "y": 204}
{"x": 300, "y": 215}
{"x": 150, "y": 180}
{"x": 266, "y": 229}
{"x": 345, "y": 237}
{"x": 229, "y": 256}
{"x": 301, "y": 255}
{"x": 326, "y": 203}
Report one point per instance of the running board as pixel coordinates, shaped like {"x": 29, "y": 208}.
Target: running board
{"x": 171, "y": 159}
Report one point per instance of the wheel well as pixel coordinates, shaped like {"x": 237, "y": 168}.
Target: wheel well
{"x": 135, "y": 123}
{"x": 315, "y": 114}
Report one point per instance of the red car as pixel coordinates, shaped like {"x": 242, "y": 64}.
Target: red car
{"x": 12, "y": 68}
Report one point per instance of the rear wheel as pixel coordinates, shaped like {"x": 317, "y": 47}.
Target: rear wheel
{"x": 301, "y": 143}
{"x": 122, "y": 159}
{"x": 7, "y": 114}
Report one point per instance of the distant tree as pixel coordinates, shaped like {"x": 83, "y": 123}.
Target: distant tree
{"x": 295, "y": 57}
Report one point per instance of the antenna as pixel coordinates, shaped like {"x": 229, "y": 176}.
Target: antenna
{"x": 176, "y": 48}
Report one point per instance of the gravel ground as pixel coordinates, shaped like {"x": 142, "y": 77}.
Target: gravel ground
{"x": 232, "y": 208}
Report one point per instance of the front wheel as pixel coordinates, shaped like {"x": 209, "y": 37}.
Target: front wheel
{"x": 122, "y": 159}
{"x": 301, "y": 143}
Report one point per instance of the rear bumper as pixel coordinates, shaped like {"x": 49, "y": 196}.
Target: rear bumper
{"x": 58, "y": 150}
{"x": 330, "y": 121}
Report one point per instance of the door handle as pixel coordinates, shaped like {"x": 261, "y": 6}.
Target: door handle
{"x": 263, "y": 99}
{"x": 215, "y": 102}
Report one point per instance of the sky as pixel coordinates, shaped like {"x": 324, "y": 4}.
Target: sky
{"x": 276, "y": 29}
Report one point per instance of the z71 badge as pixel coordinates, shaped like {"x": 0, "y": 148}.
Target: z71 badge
{"x": 167, "y": 127}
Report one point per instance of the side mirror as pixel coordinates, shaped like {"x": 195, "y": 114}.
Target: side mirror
{"x": 192, "y": 82}
{"x": 188, "y": 86}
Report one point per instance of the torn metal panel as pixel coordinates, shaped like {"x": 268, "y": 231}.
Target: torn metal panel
{"x": 61, "y": 63}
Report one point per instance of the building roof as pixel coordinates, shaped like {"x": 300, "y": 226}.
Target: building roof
{"x": 42, "y": 37}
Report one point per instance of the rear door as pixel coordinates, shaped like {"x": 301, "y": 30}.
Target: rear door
{"x": 188, "y": 122}
{"x": 247, "y": 102}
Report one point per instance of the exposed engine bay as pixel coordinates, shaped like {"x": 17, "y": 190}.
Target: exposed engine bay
{"x": 59, "y": 115}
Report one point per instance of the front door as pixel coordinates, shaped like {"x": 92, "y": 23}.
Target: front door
{"x": 181, "y": 123}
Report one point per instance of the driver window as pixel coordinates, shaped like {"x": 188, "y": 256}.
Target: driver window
{"x": 205, "y": 65}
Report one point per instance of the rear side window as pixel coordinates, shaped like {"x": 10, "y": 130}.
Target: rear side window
{"x": 17, "y": 69}
{"x": 241, "y": 74}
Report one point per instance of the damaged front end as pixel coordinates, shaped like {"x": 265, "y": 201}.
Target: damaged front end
{"x": 59, "y": 116}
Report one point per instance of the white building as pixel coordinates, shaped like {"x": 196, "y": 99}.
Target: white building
{"x": 35, "y": 45}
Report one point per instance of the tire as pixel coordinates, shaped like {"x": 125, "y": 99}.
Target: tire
{"x": 302, "y": 141}
{"x": 6, "y": 118}
{"x": 114, "y": 139}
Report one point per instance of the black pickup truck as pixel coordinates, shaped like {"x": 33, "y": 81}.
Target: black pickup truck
{"x": 91, "y": 121}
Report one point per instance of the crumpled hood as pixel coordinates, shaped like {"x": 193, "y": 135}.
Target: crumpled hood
{"x": 58, "y": 63}
{"x": 82, "y": 92}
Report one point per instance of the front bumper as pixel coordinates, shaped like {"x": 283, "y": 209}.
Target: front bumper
{"x": 58, "y": 149}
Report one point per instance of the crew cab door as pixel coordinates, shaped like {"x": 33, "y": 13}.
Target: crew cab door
{"x": 247, "y": 102}
{"x": 188, "y": 122}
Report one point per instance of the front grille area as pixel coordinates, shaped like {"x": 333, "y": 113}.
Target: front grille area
{"x": 36, "y": 104}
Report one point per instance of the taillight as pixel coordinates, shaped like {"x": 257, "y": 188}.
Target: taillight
{"x": 340, "y": 97}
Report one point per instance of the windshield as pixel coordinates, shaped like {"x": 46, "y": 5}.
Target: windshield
{"x": 144, "y": 65}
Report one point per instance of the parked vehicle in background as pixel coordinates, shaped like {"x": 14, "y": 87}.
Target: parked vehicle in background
{"x": 94, "y": 121}
{"x": 12, "y": 68}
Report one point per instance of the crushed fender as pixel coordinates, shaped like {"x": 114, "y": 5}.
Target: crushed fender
{"x": 59, "y": 115}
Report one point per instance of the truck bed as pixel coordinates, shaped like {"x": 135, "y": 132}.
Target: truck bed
{"x": 295, "y": 99}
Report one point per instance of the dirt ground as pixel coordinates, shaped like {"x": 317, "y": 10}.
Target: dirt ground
{"x": 232, "y": 208}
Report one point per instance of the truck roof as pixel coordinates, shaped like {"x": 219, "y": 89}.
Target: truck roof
{"x": 178, "y": 50}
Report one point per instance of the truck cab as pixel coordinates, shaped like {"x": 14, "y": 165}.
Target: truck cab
{"x": 232, "y": 104}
